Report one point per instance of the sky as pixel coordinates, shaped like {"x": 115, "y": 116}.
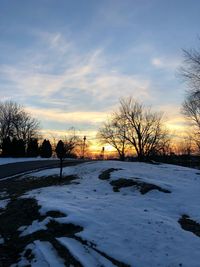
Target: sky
{"x": 69, "y": 61}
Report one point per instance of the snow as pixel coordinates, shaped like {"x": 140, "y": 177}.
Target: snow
{"x": 16, "y": 160}
{"x": 139, "y": 230}
{"x": 1, "y": 240}
{"x": 87, "y": 256}
{"x": 44, "y": 255}
{"x": 4, "y": 203}
{"x": 34, "y": 227}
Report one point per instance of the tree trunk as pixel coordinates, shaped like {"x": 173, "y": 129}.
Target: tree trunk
{"x": 61, "y": 167}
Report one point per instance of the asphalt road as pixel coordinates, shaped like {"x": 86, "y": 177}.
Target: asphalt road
{"x": 12, "y": 169}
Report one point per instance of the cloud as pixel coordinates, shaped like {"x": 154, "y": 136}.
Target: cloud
{"x": 67, "y": 71}
{"x": 63, "y": 86}
{"x": 69, "y": 117}
{"x": 166, "y": 63}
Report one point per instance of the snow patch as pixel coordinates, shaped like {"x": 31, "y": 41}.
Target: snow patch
{"x": 4, "y": 203}
{"x": 44, "y": 255}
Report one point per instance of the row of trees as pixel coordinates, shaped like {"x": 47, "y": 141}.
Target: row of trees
{"x": 137, "y": 128}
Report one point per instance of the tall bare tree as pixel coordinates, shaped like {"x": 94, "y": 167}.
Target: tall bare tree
{"x": 137, "y": 127}
{"x": 144, "y": 128}
{"x": 190, "y": 71}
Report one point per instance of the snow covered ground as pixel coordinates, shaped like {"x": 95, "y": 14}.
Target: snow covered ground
{"x": 140, "y": 230}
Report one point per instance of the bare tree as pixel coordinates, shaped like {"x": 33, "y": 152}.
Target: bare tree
{"x": 113, "y": 132}
{"x": 16, "y": 122}
{"x": 71, "y": 142}
{"x": 144, "y": 128}
{"x": 190, "y": 71}
{"x": 184, "y": 147}
{"x": 191, "y": 111}
{"x": 82, "y": 150}
{"x": 137, "y": 127}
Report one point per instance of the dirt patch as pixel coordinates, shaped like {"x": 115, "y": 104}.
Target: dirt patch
{"x": 55, "y": 214}
{"x": 18, "y": 213}
{"x": 105, "y": 175}
{"x": 142, "y": 186}
{"x": 16, "y": 187}
{"x": 189, "y": 225}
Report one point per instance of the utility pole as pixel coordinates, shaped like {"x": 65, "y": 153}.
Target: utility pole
{"x": 102, "y": 152}
{"x": 84, "y": 140}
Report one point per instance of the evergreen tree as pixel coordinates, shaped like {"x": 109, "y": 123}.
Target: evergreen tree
{"x": 60, "y": 149}
{"x": 32, "y": 149}
{"x": 14, "y": 147}
{"x": 20, "y": 148}
{"x": 17, "y": 148}
{"x": 46, "y": 149}
{"x": 6, "y": 147}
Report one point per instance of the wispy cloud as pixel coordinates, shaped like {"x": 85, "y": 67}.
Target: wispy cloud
{"x": 166, "y": 63}
{"x": 69, "y": 117}
{"x": 90, "y": 73}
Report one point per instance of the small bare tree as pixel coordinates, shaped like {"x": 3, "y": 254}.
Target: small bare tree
{"x": 71, "y": 142}
{"x": 113, "y": 132}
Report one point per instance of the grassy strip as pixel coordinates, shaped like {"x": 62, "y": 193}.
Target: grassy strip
{"x": 189, "y": 225}
{"x": 142, "y": 186}
{"x": 105, "y": 175}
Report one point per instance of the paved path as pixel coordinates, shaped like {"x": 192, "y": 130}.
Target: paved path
{"x": 12, "y": 169}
